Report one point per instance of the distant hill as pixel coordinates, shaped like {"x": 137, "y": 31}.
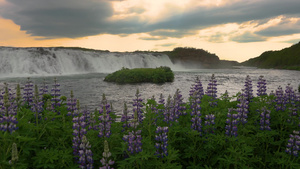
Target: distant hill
{"x": 287, "y": 58}
{"x": 198, "y": 58}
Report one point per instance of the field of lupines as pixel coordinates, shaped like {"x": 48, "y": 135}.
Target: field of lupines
{"x": 253, "y": 129}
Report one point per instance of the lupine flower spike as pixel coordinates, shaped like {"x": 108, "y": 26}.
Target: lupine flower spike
{"x": 248, "y": 88}
{"x": 28, "y": 92}
{"x": 161, "y": 139}
{"x": 55, "y": 92}
{"x": 85, "y": 154}
{"x": 265, "y": 119}
{"x": 261, "y": 86}
{"x": 72, "y": 105}
{"x": 231, "y": 121}
{"x": 137, "y": 106}
{"x": 212, "y": 90}
{"x": 125, "y": 118}
{"x": 280, "y": 100}
{"x": 293, "y": 145}
{"x": 243, "y": 108}
{"x": 106, "y": 161}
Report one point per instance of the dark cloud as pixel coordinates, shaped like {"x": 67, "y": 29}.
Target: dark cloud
{"x": 217, "y": 38}
{"x": 242, "y": 11}
{"x": 78, "y": 18}
{"x": 286, "y": 27}
{"x": 247, "y": 37}
{"x": 60, "y": 18}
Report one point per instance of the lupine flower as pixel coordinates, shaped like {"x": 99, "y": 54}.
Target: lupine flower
{"x": 293, "y": 112}
{"x": 137, "y": 105}
{"x": 160, "y": 106}
{"x": 169, "y": 115}
{"x": 293, "y": 145}
{"x": 105, "y": 123}
{"x": 265, "y": 119}
{"x": 231, "y": 121}
{"x": 209, "y": 122}
{"x": 85, "y": 154}
{"x": 134, "y": 138}
{"x": 178, "y": 105}
{"x": 212, "y": 90}
{"x": 289, "y": 95}
{"x": 28, "y": 92}
{"x": 93, "y": 125}
{"x": 37, "y": 105}
{"x": 106, "y": 161}
{"x": 197, "y": 89}
{"x": 196, "y": 114}
{"x": 125, "y": 119}
{"x": 261, "y": 86}
{"x": 225, "y": 96}
{"x": 79, "y": 130}
{"x": 161, "y": 139}
{"x": 8, "y": 121}
{"x": 72, "y": 105}
{"x": 55, "y": 92}
{"x": 280, "y": 100}
{"x": 248, "y": 88}
{"x": 18, "y": 96}
{"x": 243, "y": 108}
{"x": 44, "y": 88}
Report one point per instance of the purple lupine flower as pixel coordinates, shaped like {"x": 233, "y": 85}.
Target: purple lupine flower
{"x": 265, "y": 119}
{"x": 18, "y": 97}
{"x": 79, "y": 130}
{"x": 28, "y": 92}
{"x": 243, "y": 108}
{"x": 280, "y": 99}
{"x": 125, "y": 119}
{"x": 293, "y": 145}
{"x": 197, "y": 89}
{"x": 168, "y": 114}
{"x": 55, "y": 92}
{"x": 232, "y": 121}
{"x": 8, "y": 121}
{"x": 195, "y": 113}
{"x": 85, "y": 154}
{"x": 43, "y": 88}
{"x": 106, "y": 161}
{"x": 209, "y": 122}
{"x": 178, "y": 105}
{"x": 105, "y": 123}
{"x": 134, "y": 140}
{"x": 137, "y": 105}
{"x": 248, "y": 88}
{"x": 261, "y": 86}
{"x": 289, "y": 95}
{"x": 161, "y": 106}
{"x": 161, "y": 139}
{"x": 72, "y": 105}
{"x": 37, "y": 105}
{"x": 293, "y": 112}
{"x": 93, "y": 125}
{"x": 212, "y": 90}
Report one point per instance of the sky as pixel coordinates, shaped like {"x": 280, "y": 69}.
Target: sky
{"x": 231, "y": 29}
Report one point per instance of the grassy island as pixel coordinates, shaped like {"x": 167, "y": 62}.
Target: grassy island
{"x": 141, "y": 75}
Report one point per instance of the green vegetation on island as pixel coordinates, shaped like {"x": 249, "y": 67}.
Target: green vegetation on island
{"x": 141, "y": 75}
{"x": 288, "y": 58}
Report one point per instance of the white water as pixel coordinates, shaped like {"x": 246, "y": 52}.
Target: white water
{"x": 24, "y": 62}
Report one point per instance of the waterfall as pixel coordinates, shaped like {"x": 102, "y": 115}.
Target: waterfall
{"x": 20, "y": 62}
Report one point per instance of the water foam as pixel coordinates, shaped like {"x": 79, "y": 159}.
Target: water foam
{"x": 23, "y": 62}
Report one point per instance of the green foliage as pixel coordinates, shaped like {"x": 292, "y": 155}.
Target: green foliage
{"x": 48, "y": 143}
{"x": 288, "y": 58}
{"x": 141, "y": 75}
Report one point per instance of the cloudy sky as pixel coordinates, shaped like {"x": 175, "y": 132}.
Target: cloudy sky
{"x": 232, "y": 29}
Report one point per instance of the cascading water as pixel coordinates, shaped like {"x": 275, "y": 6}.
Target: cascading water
{"x": 19, "y": 62}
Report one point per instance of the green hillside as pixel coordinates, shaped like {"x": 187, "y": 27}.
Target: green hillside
{"x": 287, "y": 58}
